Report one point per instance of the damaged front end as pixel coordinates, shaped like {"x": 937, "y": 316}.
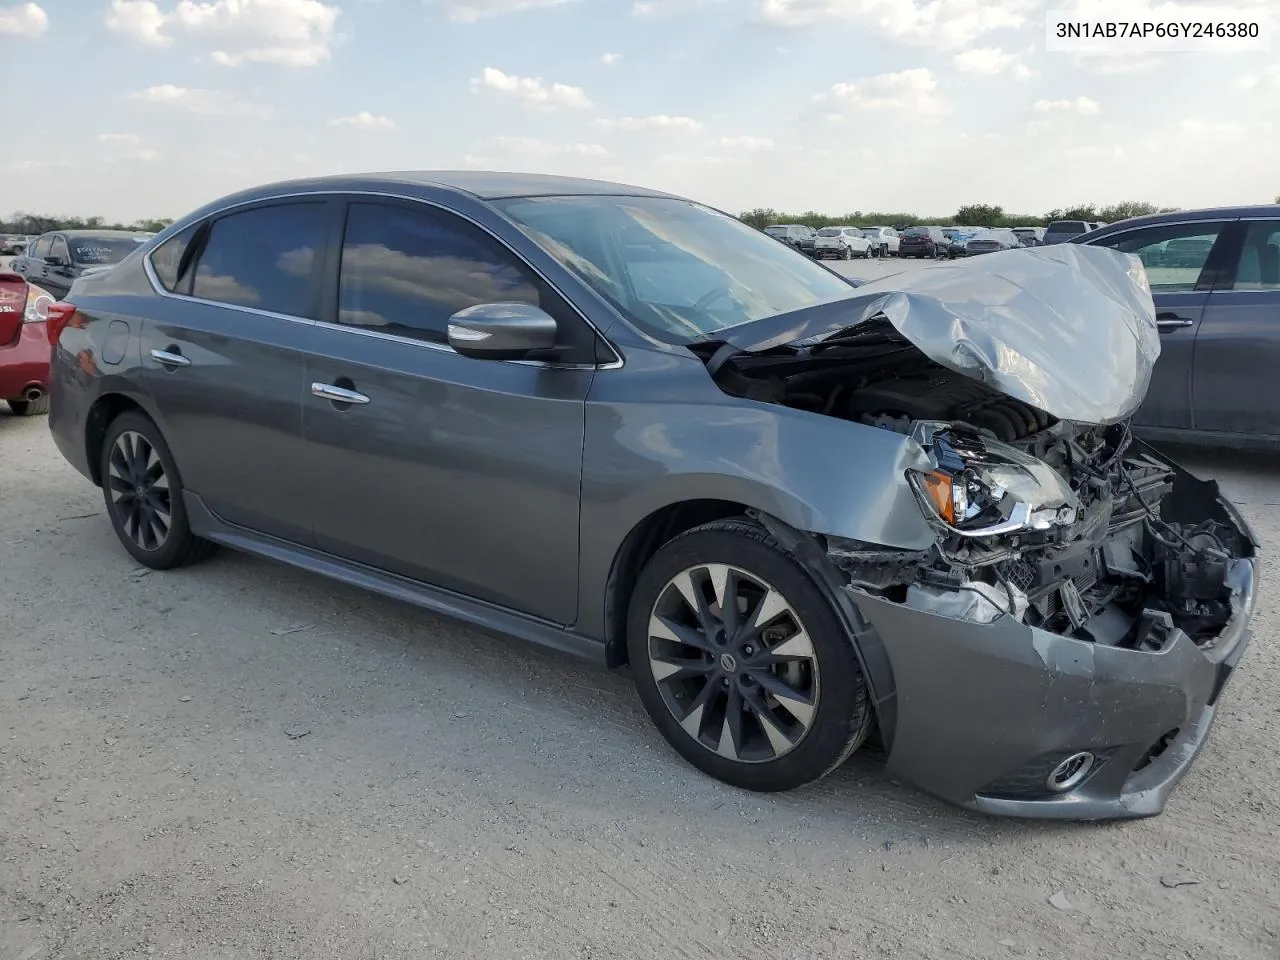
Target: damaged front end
{"x": 1072, "y": 530}
{"x": 1059, "y": 648}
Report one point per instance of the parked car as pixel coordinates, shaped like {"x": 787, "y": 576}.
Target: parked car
{"x": 991, "y": 240}
{"x": 794, "y": 234}
{"x": 622, "y": 424}
{"x": 841, "y": 243}
{"x": 11, "y": 244}
{"x": 956, "y": 245}
{"x": 24, "y": 345}
{"x": 1029, "y": 236}
{"x": 1215, "y": 280}
{"x": 1061, "y": 231}
{"x": 922, "y": 242}
{"x": 884, "y": 240}
{"x": 56, "y": 259}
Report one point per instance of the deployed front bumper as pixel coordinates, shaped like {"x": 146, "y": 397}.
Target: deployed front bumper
{"x": 986, "y": 711}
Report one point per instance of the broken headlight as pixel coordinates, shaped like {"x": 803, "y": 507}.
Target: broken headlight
{"x": 981, "y": 487}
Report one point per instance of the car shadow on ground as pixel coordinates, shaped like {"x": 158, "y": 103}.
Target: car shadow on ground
{"x": 580, "y": 704}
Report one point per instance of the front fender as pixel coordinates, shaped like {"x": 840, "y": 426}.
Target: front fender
{"x": 666, "y": 435}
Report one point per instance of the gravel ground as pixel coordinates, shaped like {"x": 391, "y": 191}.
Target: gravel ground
{"x": 239, "y": 760}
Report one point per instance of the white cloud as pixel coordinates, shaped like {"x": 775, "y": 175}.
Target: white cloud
{"x": 908, "y": 92}
{"x": 533, "y": 91}
{"x": 206, "y": 102}
{"x": 469, "y": 11}
{"x": 295, "y": 33}
{"x": 658, "y": 122}
{"x": 667, "y": 8}
{"x": 23, "y": 20}
{"x": 990, "y": 61}
{"x": 1271, "y": 75}
{"x": 944, "y": 24}
{"x": 1081, "y": 105}
{"x": 745, "y": 143}
{"x": 610, "y": 59}
{"x": 365, "y": 120}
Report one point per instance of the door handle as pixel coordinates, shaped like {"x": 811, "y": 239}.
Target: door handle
{"x": 1170, "y": 321}
{"x": 169, "y": 358}
{"x": 337, "y": 394}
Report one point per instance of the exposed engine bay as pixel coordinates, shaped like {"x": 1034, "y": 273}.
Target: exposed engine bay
{"x": 1076, "y": 529}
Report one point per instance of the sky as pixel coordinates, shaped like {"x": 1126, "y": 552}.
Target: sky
{"x": 150, "y": 108}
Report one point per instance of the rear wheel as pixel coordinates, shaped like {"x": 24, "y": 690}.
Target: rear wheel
{"x": 742, "y": 663}
{"x": 847, "y": 253}
{"x": 143, "y": 491}
{"x": 29, "y": 408}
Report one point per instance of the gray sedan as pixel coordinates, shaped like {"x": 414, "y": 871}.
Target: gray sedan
{"x": 1215, "y": 279}
{"x": 812, "y": 517}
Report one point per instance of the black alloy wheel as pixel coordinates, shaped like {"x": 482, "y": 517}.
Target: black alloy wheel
{"x": 742, "y": 663}
{"x": 143, "y": 493}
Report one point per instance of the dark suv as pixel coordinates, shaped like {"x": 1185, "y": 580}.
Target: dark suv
{"x": 794, "y": 234}
{"x": 922, "y": 242}
{"x": 54, "y": 260}
{"x": 1064, "y": 231}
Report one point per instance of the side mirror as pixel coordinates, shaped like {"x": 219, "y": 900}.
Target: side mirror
{"x": 501, "y": 331}
{"x": 55, "y": 261}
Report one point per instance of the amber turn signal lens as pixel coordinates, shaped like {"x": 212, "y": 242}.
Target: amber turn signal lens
{"x": 937, "y": 487}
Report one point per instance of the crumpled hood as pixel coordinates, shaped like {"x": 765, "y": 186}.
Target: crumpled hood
{"x": 1068, "y": 328}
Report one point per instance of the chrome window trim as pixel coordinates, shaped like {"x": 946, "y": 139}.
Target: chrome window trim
{"x": 149, "y": 269}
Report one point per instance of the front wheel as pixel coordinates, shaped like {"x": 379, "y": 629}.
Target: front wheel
{"x": 742, "y": 663}
{"x": 847, "y": 253}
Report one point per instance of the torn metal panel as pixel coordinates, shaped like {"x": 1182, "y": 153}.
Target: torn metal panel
{"x": 1069, "y": 329}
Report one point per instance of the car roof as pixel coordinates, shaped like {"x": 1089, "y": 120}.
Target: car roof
{"x": 481, "y": 184}
{"x": 1265, "y": 211}
{"x": 105, "y": 234}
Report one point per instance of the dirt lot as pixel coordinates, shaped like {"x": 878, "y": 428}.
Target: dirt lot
{"x": 243, "y": 761}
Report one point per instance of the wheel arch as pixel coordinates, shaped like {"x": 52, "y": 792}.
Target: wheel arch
{"x": 102, "y": 412}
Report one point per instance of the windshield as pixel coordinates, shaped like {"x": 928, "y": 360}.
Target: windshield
{"x": 102, "y": 250}
{"x": 1067, "y": 226}
{"x": 675, "y": 269}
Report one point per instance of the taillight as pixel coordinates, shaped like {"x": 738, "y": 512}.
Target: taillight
{"x": 59, "y": 315}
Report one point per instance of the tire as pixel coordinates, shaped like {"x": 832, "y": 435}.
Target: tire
{"x": 29, "y": 408}
{"x": 847, "y": 254}
{"x": 830, "y": 712}
{"x": 866, "y": 254}
{"x": 133, "y": 436}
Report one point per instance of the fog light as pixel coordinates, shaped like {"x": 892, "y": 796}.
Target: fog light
{"x": 1070, "y": 772}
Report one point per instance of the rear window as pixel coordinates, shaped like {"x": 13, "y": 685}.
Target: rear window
{"x": 916, "y": 232}
{"x": 92, "y": 251}
{"x": 829, "y": 232}
{"x": 1068, "y": 226}
{"x": 776, "y": 231}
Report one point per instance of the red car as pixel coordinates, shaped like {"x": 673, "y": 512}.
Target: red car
{"x": 24, "y": 345}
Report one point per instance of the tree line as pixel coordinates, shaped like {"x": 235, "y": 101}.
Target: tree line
{"x": 34, "y": 224}
{"x": 970, "y": 215}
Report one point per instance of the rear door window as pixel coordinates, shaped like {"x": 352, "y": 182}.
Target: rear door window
{"x": 1174, "y": 255}
{"x": 1259, "y": 265}
{"x": 264, "y": 257}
